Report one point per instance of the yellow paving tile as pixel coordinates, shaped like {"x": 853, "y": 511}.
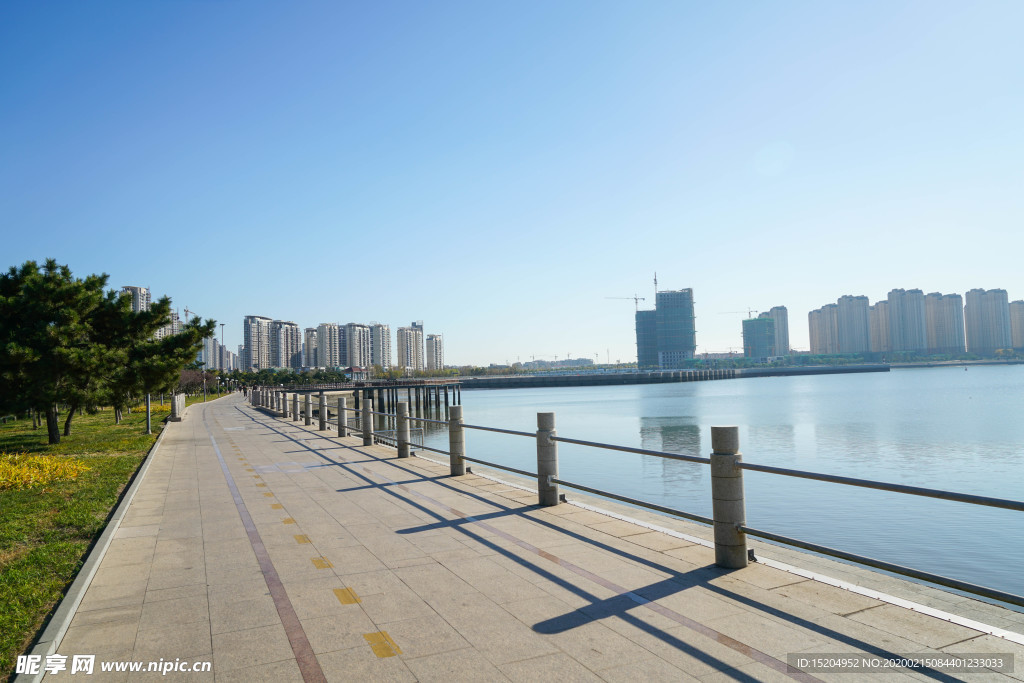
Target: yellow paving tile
{"x": 382, "y": 644}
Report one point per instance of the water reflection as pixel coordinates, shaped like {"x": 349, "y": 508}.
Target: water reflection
{"x": 670, "y": 434}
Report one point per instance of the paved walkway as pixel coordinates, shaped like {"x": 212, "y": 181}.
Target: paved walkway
{"x": 280, "y": 554}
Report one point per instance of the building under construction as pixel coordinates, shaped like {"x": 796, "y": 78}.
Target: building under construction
{"x": 666, "y": 336}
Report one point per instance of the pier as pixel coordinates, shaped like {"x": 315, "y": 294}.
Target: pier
{"x": 280, "y": 549}
{"x": 593, "y": 379}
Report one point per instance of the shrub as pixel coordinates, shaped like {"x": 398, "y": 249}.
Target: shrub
{"x": 22, "y": 471}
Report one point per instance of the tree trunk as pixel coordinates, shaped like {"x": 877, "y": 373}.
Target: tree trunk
{"x": 52, "y": 425}
{"x": 117, "y": 415}
{"x": 67, "y": 422}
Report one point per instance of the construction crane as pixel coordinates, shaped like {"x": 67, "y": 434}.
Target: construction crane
{"x": 750, "y": 312}
{"x": 636, "y": 299}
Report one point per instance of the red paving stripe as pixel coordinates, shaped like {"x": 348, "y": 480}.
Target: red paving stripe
{"x": 309, "y": 667}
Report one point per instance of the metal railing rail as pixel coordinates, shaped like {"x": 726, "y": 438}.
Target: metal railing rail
{"x": 727, "y": 490}
{"x": 423, "y": 419}
{"x": 634, "y": 501}
{"x": 884, "y": 486}
{"x": 628, "y": 449}
{"x": 433, "y": 450}
{"x": 887, "y": 566}
{"x": 501, "y": 467}
{"x": 532, "y": 435}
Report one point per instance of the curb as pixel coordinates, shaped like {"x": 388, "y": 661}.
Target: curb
{"x": 68, "y": 606}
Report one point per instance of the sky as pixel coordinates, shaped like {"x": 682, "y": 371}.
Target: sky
{"x": 503, "y": 171}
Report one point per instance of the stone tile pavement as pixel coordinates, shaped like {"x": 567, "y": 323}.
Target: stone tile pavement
{"x": 279, "y": 553}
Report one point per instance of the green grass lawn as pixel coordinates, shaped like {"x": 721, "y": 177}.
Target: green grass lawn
{"x": 45, "y": 531}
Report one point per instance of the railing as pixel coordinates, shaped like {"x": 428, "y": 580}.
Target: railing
{"x": 727, "y": 466}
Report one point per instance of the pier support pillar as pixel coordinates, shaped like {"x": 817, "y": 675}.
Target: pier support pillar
{"x": 402, "y": 430}
{"x": 456, "y": 442}
{"x": 547, "y": 460}
{"x": 727, "y": 498}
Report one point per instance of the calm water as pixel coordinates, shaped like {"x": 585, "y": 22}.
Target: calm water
{"x": 943, "y": 428}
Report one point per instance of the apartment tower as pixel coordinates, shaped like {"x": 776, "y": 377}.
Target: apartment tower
{"x": 380, "y": 345}
{"x": 987, "y": 321}
{"x": 309, "y": 348}
{"x": 256, "y": 336}
{"x": 1017, "y": 324}
{"x": 907, "y": 323}
{"x": 410, "y": 347}
{"x": 357, "y": 345}
{"x": 329, "y": 346}
{"x": 435, "y": 352}
{"x": 141, "y": 299}
{"x": 944, "y": 320}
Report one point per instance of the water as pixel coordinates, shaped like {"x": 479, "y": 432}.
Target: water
{"x": 942, "y": 428}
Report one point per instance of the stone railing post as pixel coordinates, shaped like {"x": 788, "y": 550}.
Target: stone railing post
{"x": 456, "y": 442}
{"x": 402, "y": 429}
{"x": 323, "y": 411}
{"x": 367, "y": 408}
{"x": 295, "y": 407}
{"x": 547, "y": 460}
{"x": 307, "y": 406}
{"x": 342, "y": 417}
{"x": 727, "y": 498}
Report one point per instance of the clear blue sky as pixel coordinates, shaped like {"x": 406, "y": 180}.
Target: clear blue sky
{"x": 496, "y": 169}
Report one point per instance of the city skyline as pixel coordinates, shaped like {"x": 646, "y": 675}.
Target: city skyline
{"x": 758, "y": 155}
{"x": 910, "y": 321}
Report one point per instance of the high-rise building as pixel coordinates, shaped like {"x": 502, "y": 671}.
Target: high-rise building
{"x": 823, "y": 326}
{"x": 141, "y": 299}
{"x": 410, "y": 347}
{"x": 878, "y": 324}
{"x": 852, "y": 328}
{"x": 329, "y": 345}
{"x": 309, "y": 348}
{"x": 646, "y": 339}
{"x": 759, "y": 337}
{"x": 781, "y": 317}
{"x": 675, "y": 321}
{"x": 357, "y": 343}
{"x": 256, "y": 337}
{"x": 209, "y": 354}
{"x": 380, "y": 345}
{"x": 1017, "y": 324}
{"x": 907, "y": 323}
{"x": 987, "y": 321}
{"x": 944, "y": 322}
{"x": 666, "y": 336}
{"x": 285, "y": 345}
{"x": 173, "y": 327}
{"x": 435, "y": 352}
